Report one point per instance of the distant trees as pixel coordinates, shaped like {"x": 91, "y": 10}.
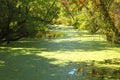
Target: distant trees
{"x": 22, "y": 18}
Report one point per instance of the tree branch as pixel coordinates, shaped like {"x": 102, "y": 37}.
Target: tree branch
{"x": 45, "y": 18}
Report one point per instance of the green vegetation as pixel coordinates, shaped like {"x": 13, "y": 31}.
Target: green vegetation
{"x": 100, "y": 70}
{"x": 21, "y": 18}
{"x": 49, "y": 34}
{"x": 46, "y": 39}
{"x": 96, "y": 16}
{"x": 34, "y": 59}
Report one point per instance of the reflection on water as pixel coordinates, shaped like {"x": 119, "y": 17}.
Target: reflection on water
{"x": 98, "y": 70}
{"x": 72, "y": 72}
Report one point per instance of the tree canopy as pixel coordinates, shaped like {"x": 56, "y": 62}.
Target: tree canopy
{"x": 98, "y": 15}
{"x": 23, "y": 18}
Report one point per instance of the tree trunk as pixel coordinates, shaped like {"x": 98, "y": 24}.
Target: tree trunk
{"x": 112, "y": 33}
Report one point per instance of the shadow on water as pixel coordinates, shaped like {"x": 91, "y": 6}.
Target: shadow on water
{"x": 17, "y": 64}
{"x": 27, "y": 67}
{"x": 33, "y": 67}
{"x": 72, "y": 41}
{"x": 79, "y": 45}
{"x": 39, "y": 45}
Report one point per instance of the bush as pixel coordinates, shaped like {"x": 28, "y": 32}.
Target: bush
{"x": 49, "y": 34}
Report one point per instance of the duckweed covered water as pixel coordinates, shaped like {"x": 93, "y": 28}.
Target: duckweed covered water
{"x": 55, "y": 59}
{"x": 97, "y": 71}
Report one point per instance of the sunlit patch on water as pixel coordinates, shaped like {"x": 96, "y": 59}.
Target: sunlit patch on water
{"x": 2, "y": 63}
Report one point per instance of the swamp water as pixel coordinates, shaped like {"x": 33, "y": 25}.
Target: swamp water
{"x": 64, "y": 58}
{"x": 108, "y": 69}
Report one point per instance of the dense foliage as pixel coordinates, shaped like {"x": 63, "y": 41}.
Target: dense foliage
{"x": 22, "y": 18}
{"x": 96, "y": 16}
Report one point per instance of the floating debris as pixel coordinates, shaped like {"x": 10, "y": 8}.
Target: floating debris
{"x": 72, "y": 72}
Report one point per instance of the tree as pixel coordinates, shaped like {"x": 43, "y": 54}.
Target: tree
{"x": 111, "y": 31}
{"x": 12, "y": 20}
{"x": 101, "y": 15}
{"x": 21, "y": 18}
